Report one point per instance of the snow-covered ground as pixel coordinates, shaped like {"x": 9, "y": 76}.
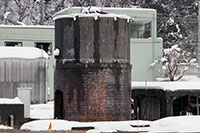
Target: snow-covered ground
{"x": 42, "y": 111}
{"x": 43, "y": 125}
{"x": 2, "y": 127}
{"x": 168, "y": 124}
{"x": 176, "y": 124}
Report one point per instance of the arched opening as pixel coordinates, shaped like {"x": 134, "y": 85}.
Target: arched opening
{"x": 58, "y": 104}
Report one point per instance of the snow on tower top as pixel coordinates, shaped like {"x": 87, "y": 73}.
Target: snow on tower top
{"x": 95, "y": 13}
{"x": 22, "y": 52}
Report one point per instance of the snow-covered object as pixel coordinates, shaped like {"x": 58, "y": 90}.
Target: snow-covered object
{"x": 176, "y": 124}
{"x": 10, "y": 101}
{"x": 170, "y": 50}
{"x": 2, "y": 127}
{"x": 22, "y": 52}
{"x": 116, "y": 126}
{"x": 94, "y": 15}
{"x": 9, "y": 17}
{"x": 6, "y": 15}
{"x": 56, "y": 52}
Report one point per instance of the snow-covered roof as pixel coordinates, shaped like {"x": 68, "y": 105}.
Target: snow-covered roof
{"x": 22, "y": 52}
{"x": 106, "y": 8}
{"x": 10, "y": 101}
{"x": 28, "y": 26}
{"x": 172, "y": 86}
{"x": 93, "y": 15}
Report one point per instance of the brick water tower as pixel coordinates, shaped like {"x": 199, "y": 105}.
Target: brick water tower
{"x": 93, "y": 71}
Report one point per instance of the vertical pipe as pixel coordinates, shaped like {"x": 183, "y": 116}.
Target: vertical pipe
{"x": 199, "y": 40}
{"x": 12, "y": 121}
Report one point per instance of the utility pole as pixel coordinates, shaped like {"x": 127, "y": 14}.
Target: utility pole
{"x": 199, "y": 40}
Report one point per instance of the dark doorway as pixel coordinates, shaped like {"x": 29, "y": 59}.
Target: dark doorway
{"x": 186, "y": 105}
{"x": 58, "y": 104}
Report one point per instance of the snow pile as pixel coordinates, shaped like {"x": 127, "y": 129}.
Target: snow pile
{"x": 168, "y": 124}
{"x": 42, "y": 125}
{"x": 22, "y": 52}
{"x": 10, "y": 101}
{"x": 42, "y": 111}
{"x": 2, "y": 127}
{"x": 176, "y": 124}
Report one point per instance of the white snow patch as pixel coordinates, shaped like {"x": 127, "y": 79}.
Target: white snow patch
{"x": 94, "y": 15}
{"x": 176, "y": 124}
{"x": 2, "y": 127}
{"x": 171, "y": 21}
{"x": 56, "y": 52}
{"x": 10, "y": 101}
{"x": 42, "y": 111}
{"x": 168, "y": 124}
{"x": 187, "y": 83}
{"x": 22, "y": 52}
{"x": 28, "y": 26}
{"x": 42, "y": 125}
{"x": 6, "y": 15}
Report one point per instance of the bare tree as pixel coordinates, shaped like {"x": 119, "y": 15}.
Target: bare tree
{"x": 175, "y": 62}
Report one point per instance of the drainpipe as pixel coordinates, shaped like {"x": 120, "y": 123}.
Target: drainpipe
{"x": 199, "y": 41}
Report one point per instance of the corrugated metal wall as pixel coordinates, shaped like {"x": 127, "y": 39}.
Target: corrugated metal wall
{"x": 15, "y": 73}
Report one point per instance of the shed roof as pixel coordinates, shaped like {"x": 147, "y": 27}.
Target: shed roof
{"x": 22, "y": 52}
{"x": 15, "y": 100}
{"x": 171, "y": 86}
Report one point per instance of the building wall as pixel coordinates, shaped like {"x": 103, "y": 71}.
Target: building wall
{"x": 15, "y": 73}
{"x": 143, "y": 53}
{"x": 29, "y": 35}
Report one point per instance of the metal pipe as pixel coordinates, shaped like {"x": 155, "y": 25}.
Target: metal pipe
{"x": 199, "y": 40}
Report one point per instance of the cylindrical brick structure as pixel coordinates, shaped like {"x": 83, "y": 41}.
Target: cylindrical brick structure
{"x": 93, "y": 71}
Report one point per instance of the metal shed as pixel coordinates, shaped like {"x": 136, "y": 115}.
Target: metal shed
{"x": 23, "y": 67}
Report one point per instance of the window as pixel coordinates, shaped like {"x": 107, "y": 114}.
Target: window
{"x": 13, "y": 44}
{"x": 141, "y": 30}
{"x": 47, "y": 47}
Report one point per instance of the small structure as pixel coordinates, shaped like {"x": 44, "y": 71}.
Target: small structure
{"x": 93, "y": 71}
{"x": 23, "y": 67}
{"x": 11, "y": 111}
{"x": 24, "y": 96}
{"x": 156, "y": 100}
